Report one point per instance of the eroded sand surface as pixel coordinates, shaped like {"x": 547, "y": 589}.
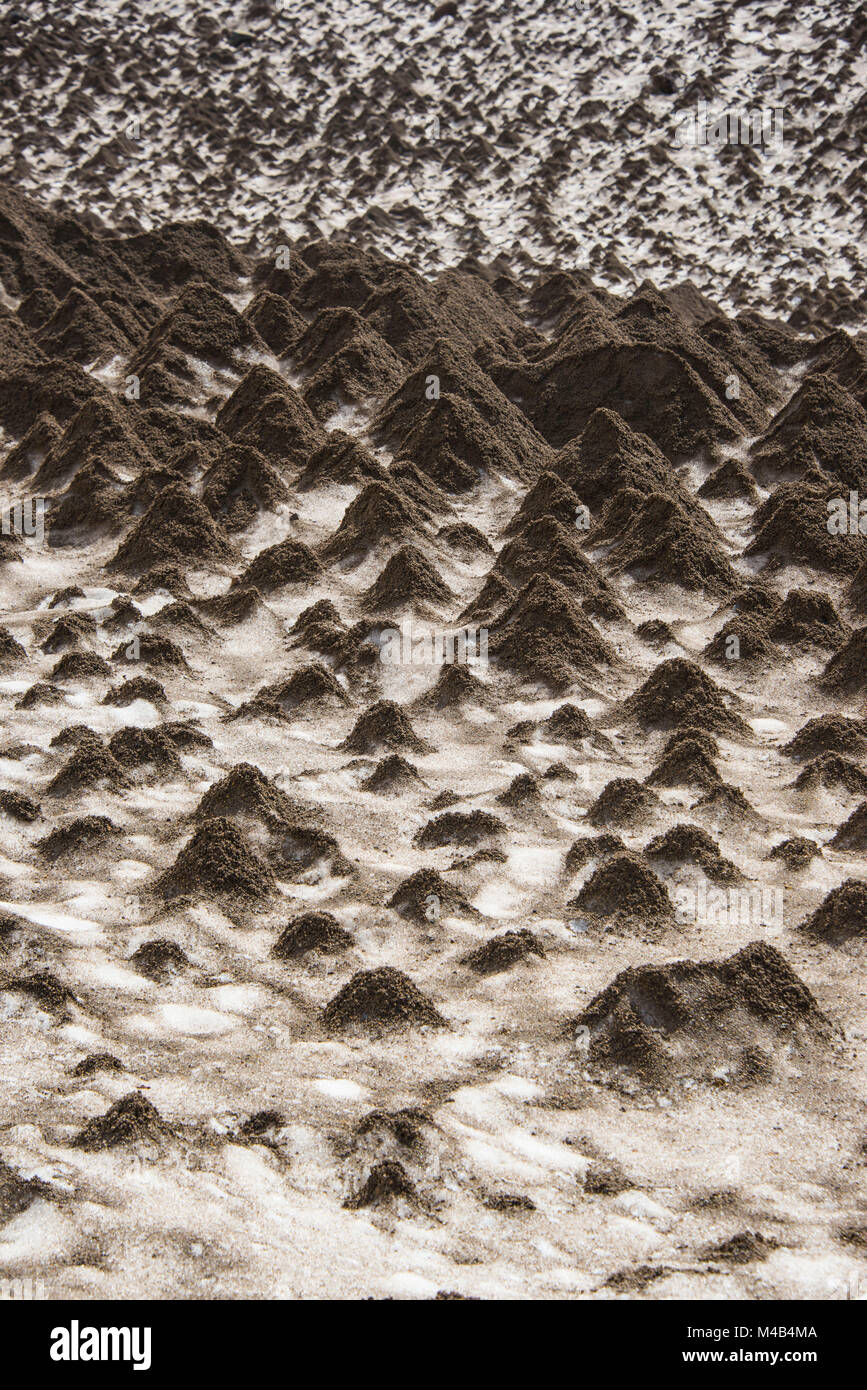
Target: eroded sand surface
{"x": 323, "y": 975}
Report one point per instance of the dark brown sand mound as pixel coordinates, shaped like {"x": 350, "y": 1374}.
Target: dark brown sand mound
{"x": 852, "y": 834}
{"x": 246, "y": 791}
{"x": 176, "y": 529}
{"x": 268, "y": 414}
{"x": 834, "y": 771}
{"x": 44, "y": 988}
{"x": 408, "y": 578}
{"x": 581, "y": 852}
{"x": 741, "y": 639}
{"x": 625, "y": 889}
{"x": 381, "y": 998}
{"x": 689, "y": 844}
{"x": 455, "y": 686}
{"x": 17, "y": 1193}
{"x": 288, "y": 562}
{"x": 504, "y": 951}
{"x": 91, "y": 766}
{"x": 341, "y": 459}
{"x": 656, "y": 539}
{"x": 79, "y": 666}
{"x": 544, "y": 636}
{"x": 159, "y": 959}
{"x": 730, "y": 480}
{"x": 18, "y": 806}
{"x": 132, "y": 1120}
{"x": 791, "y": 529}
{"x": 809, "y": 617}
{"x": 138, "y": 688}
{"x": 679, "y": 693}
{"x": 384, "y": 728}
{"x": 686, "y": 764}
{"x": 11, "y": 650}
{"x": 622, "y": 801}
{"x": 846, "y": 672}
{"x": 842, "y": 915}
{"x": 828, "y": 733}
{"x": 656, "y": 1019}
{"x": 240, "y": 484}
{"x": 544, "y": 546}
{"x": 145, "y": 748}
{"x": 313, "y": 685}
{"x": 78, "y": 837}
{"x": 312, "y": 931}
{"x": 470, "y": 828}
{"x": 217, "y": 862}
{"x": 379, "y": 515}
{"x": 392, "y": 776}
{"x": 426, "y": 896}
{"x": 386, "y": 1181}
{"x": 797, "y": 852}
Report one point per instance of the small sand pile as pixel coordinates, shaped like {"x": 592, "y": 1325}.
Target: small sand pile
{"x": 384, "y": 727}
{"x": 658, "y": 539}
{"x": 470, "y": 828}
{"x": 678, "y": 692}
{"x": 392, "y": 776}
{"x": 81, "y": 835}
{"x": 313, "y": 686}
{"x": 687, "y": 1015}
{"x": 689, "y": 844}
{"x": 741, "y": 639}
{"x": 18, "y": 806}
{"x": 503, "y": 951}
{"x": 240, "y": 484}
{"x": 138, "y": 688}
{"x": 625, "y": 889}
{"x": 217, "y": 862}
{"x": 384, "y": 998}
{"x": 852, "y": 834}
{"x": 522, "y": 792}
{"x": 49, "y": 993}
{"x": 379, "y": 515}
{"x": 18, "y": 1193}
{"x": 91, "y": 766}
{"x": 408, "y": 578}
{"x": 806, "y": 616}
{"x": 545, "y": 636}
{"x": 131, "y": 1120}
{"x": 176, "y": 529}
{"x": 581, "y": 852}
{"x": 246, "y": 791}
{"x": 68, "y": 632}
{"x": 545, "y": 546}
{"x": 11, "y": 651}
{"x": 846, "y": 672}
{"x": 568, "y": 724}
{"x": 455, "y": 446}
{"x": 386, "y": 1181}
{"x": 828, "y": 733}
{"x": 312, "y": 931}
{"x": 797, "y": 852}
{"x": 730, "y": 480}
{"x": 137, "y": 748}
{"x": 833, "y": 771}
{"x": 842, "y": 915}
{"x": 153, "y": 651}
{"x": 548, "y": 496}
{"x": 791, "y": 529}
{"x": 622, "y": 801}
{"x": 454, "y": 686}
{"x": 288, "y": 562}
{"x": 159, "y": 959}
{"x": 79, "y": 666}
{"x": 269, "y": 415}
{"x": 343, "y": 460}
{"x": 426, "y": 896}
{"x": 685, "y": 765}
